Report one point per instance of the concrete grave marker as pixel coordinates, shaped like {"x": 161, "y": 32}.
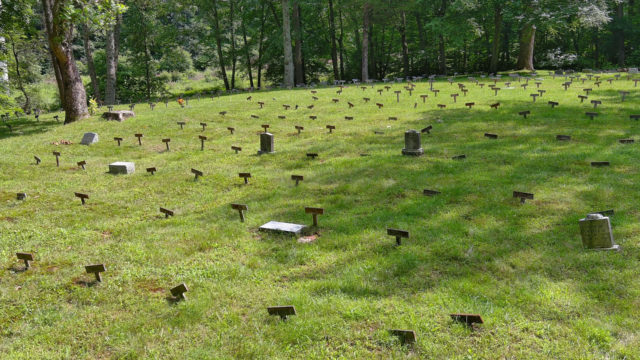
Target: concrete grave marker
{"x": 241, "y": 209}
{"x": 399, "y": 234}
{"x": 412, "y": 143}
{"x": 266, "y": 144}
{"x": 96, "y": 270}
{"x": 595, "y": 230}
{"x": 282, "y": 311}
{"x": 122, "y": 167}
{"x": 120, "y": 116}
{"x": 282, "y": 228}
{"x": 89, "y": 138}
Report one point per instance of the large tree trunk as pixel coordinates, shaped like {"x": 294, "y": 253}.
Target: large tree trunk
{"x": 495, "y": 46}
{"x": 366, "y": 23}
{"x": 619, "y": 34}
{"x": 223, "y": 71}
{"x": 246, "y": 53}
{"x": 286, "y": 39}
{"x": 297, "y": 30}
{"x": 88, "y": 53}
{"x": 112, "y": 50}
{"x": 60, "y": 39}
{"x": 234, "y": 58}
{"x": 334, "y": 51}
{"x": 260, "y": 45}
{"x": 527, "y": 42}
{"x": 403, "y": 40}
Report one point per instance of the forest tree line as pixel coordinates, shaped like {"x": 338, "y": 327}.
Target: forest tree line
{"x": 130, "y": 49}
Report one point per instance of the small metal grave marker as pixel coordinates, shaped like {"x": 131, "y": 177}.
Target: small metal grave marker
{"x": 204, "y": 125}
{"x": 265, "y": 127}
{"x": 442, "y": 106}
{"x": 406, "y": 337}
{"x": 82, "y": 164}
{"x": 600, "y": 163}
{"x": 236, "y": 148}
{"x": 553, "y": 104}
{"x": 166, "y": 142}
{"x": 428, "y": 192}
{"x": 83, "y": 197}
{"x": 634, "y": 117}
{"x": 314, "y": 212}
{"x": 424, "y": 98}
{"x": 399, "y": 234}
{"x": 297, "y": 178}
{"x": 286, "y": 107}
{"x": 241, "y": 209}
{"x": 245, "y": 176}
{"x": 455, "y": 97}
{"x": 624, "y": 94}
{"x": 459, "y": 157}
{"x": 197, "y": 173}
{"x": 312, "y": 155}
{"x": 366, "y": 100}
{"x": 563, "y": 137}
{"x": 469, "y": 104}
{"x": 524, "y": 113}
{"x": 282, "y": 311}
{"x": 467, "y": 319}
{"x": 582, "y": 98}
{"x": 139, "y": 136}
{"x": 181, "y": 123}
{"x": 57, "y": 155}
{"x": 37, "y": 159}
{"x": 591, "y": 114}
{"x": 26, "y": 257}
{"x": 496, "y": 89}
{"x": 626, "y": 141}
{"x": 587, "y": 90}
{"x": 96, "y": 270}
{"x": 380, "y": 106}
{"x": 523, "y": 196}
{"x": 313, "y": 117}
{"x": 393, "y": 118}
{"x": 255, "y": 117}
{"x": 534, "y": 96}
{"x": 118, "y": 139}
{"x": 491, "y": 136}
{"x": 350, "y": 105}
{"x": 231, "y": 130}
{"x": 151, "y": 170}
{"x": 348, "y": 117}
{"x": 427, "y": 129}
{"x": 166, "y": 212}
{"x": 495, "y": 106}
{"x": 178, "y": 291}
{"x": 21, "y": 196}
{"x": 331, "y": 128}
{"x": 596, "y": 103}
{"x": 202, "y": 140}
{"x": 261, "y": 104}
{"x": 281, "y": 117}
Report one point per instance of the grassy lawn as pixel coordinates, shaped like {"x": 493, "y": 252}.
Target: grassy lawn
{"x": 473, "y": 248}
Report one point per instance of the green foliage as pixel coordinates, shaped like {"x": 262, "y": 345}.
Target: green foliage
{"x": 175, "y": 60}
{"x": 93, "y": 106}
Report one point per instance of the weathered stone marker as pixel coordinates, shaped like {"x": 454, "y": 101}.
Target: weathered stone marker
{"x": 178, "y": 291}
{"x": 523, "y": 196}
{"x": 37, "y": 159}
{"x": 151, "y": 170}
{"x": 282, "y": 311}
{"x": 412, "y": 143}
{"x": 82, "y": 164}
{"x": 490, "y": 136}
{"x": 120, "y": 115}
{"x": 406, "y": 337}
{"x": 139, "y": 136}
{"x": 166, "y": 142}
{"x": 596, "y": 233}
{"x": 26, "y": 257}
{"x": 166, "y": 212}
{"x": 89, "y": 138}
{"x": 241, "y": 209}
{"x": 245, "y": 176}
{"x": 266, "y": 144}
{"x": 283, "y": 228}
{"x": 82, "y": 197}
{"x": 96, "y": 270}
{"x": 427, "y": 192}
{"x": 467, "y": 319}
{"x": 297, "y": 178}
{"x": 122, "y": 167}
{"x": 197, "y": 173}
{"x": 399, "y": 234}
{"x": 118, "y": 139}
{"x": 236, "y": 148}
{"x": 202, "y": 140}
{"x": 314, "y": 212}
{"x": 57, "y": 155}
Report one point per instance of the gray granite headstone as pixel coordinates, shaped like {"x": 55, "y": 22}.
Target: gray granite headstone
{"x": 89, "y": 138}
{"x": 283, "y": 228}
{"x": 122, "y": 167}
{"x": 266, "y": 143}
{"x": 412, "y": 143}
{"x": 596, "y": 233}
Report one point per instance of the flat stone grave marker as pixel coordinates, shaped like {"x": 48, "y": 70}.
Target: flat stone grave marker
{"x": 197, "y": 173}
{"x": 181, "y": 123}
{"x": 57, "y": 155}
{"x": 282, "y": 311}
{"x": 312, "y": 155}
{"x": 245, "y": 176}
{"x": 491, "y": 136}
{"x": 427, "y": 192}
{"x": 427, "y": 129}
{"x": 495, "y": 106}
{"x": 523, "y": 196}
{"x": 26, "y": 258}
{"x": 331, "y": 128}
{"x": 82, "y": 164}
{"x": 89, "y": 138}
{"x": 459, "y": 157}
{"x": 21, "y": 196}
{"x": 600, "y": 163}
{"x": 166, "y": 142}
{"x": 595, "y": 230}
{"x": 82, "y": 197}
{"x": 178, "y": 292}
{"x": 399, "y": 234}
{"x": 467, "y": 319}
{"x": 406, "y": 337}
{"x": 96, "y": 270}
{"x": 297, "y": 178}
{"x": 122, "y": 167}
{"x": 151, "y": 170}
{"x": 563, "y": 137}
{"x": 118, "y": 115}
{"x": 282, "y": 228}
{"x": 591, "y": 114}
{"x": 37, "y": 159}
{"x": 553, "y": 104}
{"x": 469, "y": 104}
{"x": 166, "y": 212}
{"x": 524, "y": 113}
{"x": 241, "y": 208}
{"x": 118, "y": 139}
{"x": 202, "y": 140}
{"x": 626, "y": 141}
{"x": 314, "y": 212}
{"x": 139, "y": 136}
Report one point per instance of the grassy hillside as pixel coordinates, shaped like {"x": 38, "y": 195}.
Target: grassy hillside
{"x": 473, "y": 248}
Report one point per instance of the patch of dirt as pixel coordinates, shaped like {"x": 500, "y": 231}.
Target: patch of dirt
{"x": 62, "y": 142}
{"x": 9, "y": 219}
{"x": 308, "y": 239}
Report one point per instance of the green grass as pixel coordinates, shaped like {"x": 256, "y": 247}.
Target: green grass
{"x": 472, "y": 248}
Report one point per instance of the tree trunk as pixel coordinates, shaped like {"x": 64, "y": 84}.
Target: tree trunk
{"x": 286, "y": 39}
{"x": 527, "y": 42}
{"x": 334, "y": 51}
{"x": 366, "y": 22}
{"x": 297, "y": 30}
{"x": 246, "y": 52}
{"x": 441, "y": 57}
{"x": 495, "y": 46}
{"x": 341, "y": 44}
{"x": 88, "y": 52}
{"x": 260, "y": 46}
{"x": 234, "y": 58}
{"x": 619, "y": 34}
{"x": 60, "y": 39}
{"x": 423, "y": 42}
{"x": 112, "y": 51}
{"x": 403, "y": 40}
{"x": 27, "y": 101}
{"x": 223, "y": 71}
{"x": 147, "y": 68}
